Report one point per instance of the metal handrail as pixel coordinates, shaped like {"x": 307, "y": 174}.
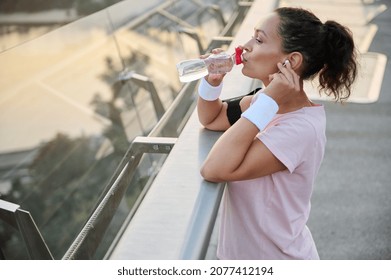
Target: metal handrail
{"x": 202, "y": 222}
{"x": 205, "y": 211}
{"x": 82, "y": 247}
{"x": 169, "y": 125}
{"x": 87, "y": 241}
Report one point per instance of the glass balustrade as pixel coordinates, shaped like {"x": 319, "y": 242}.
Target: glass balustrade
{"x": 67, "y": 116}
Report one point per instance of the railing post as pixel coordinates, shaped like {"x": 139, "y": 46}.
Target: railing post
{"x": 147, "y": 84}
{"x": 194, "y": 35}
{"x": 22, "y": 221}
{"x": 88, "y": 240}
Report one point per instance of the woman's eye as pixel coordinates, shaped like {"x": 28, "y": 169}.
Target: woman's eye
{"x": 258, "y": 40}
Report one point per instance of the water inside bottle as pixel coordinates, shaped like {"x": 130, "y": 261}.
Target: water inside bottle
{"x": 191, "y": 70}
{"x": 219, "y": 63}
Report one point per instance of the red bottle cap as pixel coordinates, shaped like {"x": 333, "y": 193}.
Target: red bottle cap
{"x": 238, "y": 55}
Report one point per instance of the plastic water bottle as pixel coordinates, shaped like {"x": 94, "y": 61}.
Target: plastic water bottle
{"x": 221, "y": 63}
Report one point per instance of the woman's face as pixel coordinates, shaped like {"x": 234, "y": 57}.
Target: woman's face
{"x": 263, "y": 51}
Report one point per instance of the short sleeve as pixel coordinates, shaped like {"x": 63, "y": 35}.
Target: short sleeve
{"x": 290, "y": 140}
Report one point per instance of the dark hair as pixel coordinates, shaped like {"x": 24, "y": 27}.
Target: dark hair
{"x": 328, "y": 50}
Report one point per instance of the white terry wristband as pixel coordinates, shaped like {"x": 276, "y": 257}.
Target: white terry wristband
{"x": 262, "y": 111}
{"x": 208, "y": 92}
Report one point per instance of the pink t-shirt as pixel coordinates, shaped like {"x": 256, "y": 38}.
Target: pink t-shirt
{"x": 265, "y": 218}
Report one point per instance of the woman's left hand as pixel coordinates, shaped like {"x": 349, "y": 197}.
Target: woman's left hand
{"x": 214, "y": 79}
{"x": 283, "y": 84}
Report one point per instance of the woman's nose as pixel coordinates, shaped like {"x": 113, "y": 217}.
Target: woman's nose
{"x": 247, "y": 46}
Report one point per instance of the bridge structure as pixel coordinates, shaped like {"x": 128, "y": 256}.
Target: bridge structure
{"x": 175, "y": 215}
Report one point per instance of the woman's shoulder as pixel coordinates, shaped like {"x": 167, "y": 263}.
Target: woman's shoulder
{"x": 307, "y": 121}
{"x": 305, "y": 114}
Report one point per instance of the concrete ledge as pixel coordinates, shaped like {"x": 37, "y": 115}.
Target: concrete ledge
{"x": 346, "y": 12}
{"x": 363, "y": 36}
{"x": 367, "y": 87}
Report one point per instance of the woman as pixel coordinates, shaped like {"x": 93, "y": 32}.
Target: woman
{"x": 274, "y": 141}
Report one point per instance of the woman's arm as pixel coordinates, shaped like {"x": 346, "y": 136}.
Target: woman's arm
{"x": 239, "y": 155}
{"x": 212, "y": 112}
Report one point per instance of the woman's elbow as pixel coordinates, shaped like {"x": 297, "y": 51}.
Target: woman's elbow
{"x": 207, "y": 126}
{"x": 213, "y": 126}
{"x": 211, "y": 175}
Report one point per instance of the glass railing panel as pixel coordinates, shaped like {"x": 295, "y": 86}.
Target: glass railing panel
{"x": 204, "y": 15}
{"x": 21, "y": 21}
{"x": 66, "y": 121}
{"x": 152, "y": 49}
{"x": 62, "y": 129}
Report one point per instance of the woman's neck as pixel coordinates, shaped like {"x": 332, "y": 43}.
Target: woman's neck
{"x": 295, "y": 103}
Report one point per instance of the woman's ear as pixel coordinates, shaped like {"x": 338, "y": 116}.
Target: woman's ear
{"x": 296, "y": 60}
